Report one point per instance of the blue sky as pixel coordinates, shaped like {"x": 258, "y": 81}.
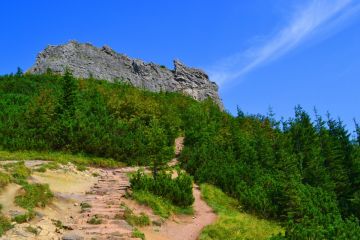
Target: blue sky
{"x": 262, "y": 53}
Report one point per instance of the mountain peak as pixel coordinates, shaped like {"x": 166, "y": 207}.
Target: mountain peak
{"x": 85, "y": 60}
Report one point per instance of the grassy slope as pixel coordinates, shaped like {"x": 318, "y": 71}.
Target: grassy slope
{"x": 59, "y": 157}
{"x": 159, "y": 205}
{"x": 233, "y": 224}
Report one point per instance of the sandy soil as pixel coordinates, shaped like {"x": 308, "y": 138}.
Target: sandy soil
{"x": 65, "y": 182}
{"x": 104, "y": 193}
{"x": 7, "y": 197}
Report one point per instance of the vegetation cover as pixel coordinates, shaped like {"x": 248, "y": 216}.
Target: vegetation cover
{"x": 177, "y": 190}
{"x": 302, "y": 172}
{"x": 233, "y": 223}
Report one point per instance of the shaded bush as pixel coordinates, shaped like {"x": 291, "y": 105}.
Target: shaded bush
{"x": 177, "y": 190}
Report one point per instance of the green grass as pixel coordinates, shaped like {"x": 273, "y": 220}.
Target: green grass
{"x": 5, "y": 224}
{"x": 32, "y": 195}
{"x": 135, "y": 220}
{"x": 94, "y": 220}
{"x": 41, "y": 169}
{"x": 233, "y": 224}
{"x": 159, "y": 205}
{"x": 50, "y": 165}
{"x": 4, "y": 180}
{"x": 137, "y": 234}
{"x": 35, "y": 195}
{"x": 60, "y": 157}
{"x": 32, "y": 230}
{"x": 19, "y": 172}
{"x": 22, "y": 218}
{"x": 85, "y": 206}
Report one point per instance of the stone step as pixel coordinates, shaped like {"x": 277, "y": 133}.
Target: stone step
{"x": 110, "y": 215}
{"x": 108, "y": 231}
{"x": 104, "y": 211}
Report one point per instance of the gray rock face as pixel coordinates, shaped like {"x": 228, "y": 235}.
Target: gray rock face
{"x": 85, "y": 60}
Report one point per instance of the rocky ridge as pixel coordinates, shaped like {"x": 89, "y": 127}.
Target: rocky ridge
{"x": 86, "y": 60}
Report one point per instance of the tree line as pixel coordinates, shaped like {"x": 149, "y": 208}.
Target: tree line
{"x": 302, "y": 172}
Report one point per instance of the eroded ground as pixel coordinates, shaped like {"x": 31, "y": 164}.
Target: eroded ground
{"x": 87, "y": 205}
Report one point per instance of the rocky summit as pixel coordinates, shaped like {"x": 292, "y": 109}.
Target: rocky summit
{"x": 86, "y": 60}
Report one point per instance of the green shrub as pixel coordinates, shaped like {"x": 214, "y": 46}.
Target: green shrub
{"x": 177, "y": 190}
{"x": 324, "y": 227}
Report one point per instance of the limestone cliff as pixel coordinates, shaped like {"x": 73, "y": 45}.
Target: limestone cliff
{"x": 85, "y": 60}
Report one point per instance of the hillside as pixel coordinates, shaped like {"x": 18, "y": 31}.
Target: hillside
{"x": 301, "y": 172}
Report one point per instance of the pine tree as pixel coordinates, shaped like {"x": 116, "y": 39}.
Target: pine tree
{"x": 69, "y": 94}
{"x": 157, "y": 148}
{"x": 357, "y": 130}
{"x": 19, "y": 72}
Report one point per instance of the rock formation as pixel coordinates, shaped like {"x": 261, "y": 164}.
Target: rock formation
{"x": 85, "y": 60}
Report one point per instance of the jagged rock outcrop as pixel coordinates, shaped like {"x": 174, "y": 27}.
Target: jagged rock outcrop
{"x": 85, "y": 60}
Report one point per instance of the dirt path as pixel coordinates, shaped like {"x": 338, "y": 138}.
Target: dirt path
{"x": 71, "y": 188}
{"x": 180, "y": 227}
{"x": 7, "y": 198}
{"x": 104, "y": 198}
{"x": 104, "y": 194}
{"x": 184, "y": 227}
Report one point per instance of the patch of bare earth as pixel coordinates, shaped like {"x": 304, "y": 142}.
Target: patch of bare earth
{"x": 104, "y": 198}
{"x": 65, "y": 219}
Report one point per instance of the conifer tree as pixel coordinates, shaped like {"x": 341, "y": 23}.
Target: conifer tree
{"x": 69, "y": 89}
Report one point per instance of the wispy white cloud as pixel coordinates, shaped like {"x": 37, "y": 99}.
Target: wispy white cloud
{"x": 317, "y": 17}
